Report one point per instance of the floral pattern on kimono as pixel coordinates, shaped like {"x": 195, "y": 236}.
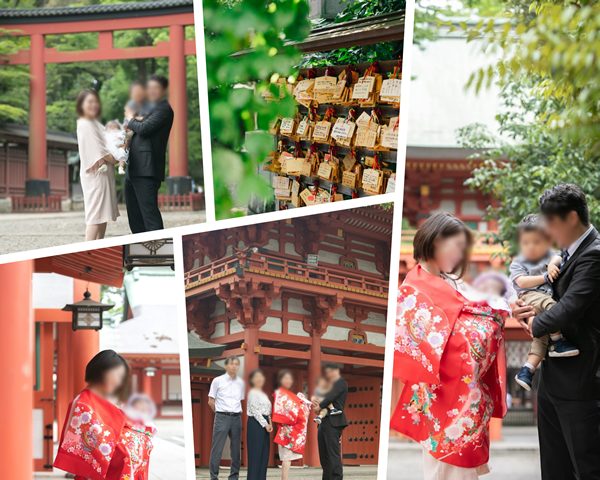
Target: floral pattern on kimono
{"x": 291, "y": 412}
{"x": 449, "y": 353}
{"x": 136, "y": 439}
{"x": 90, "y": 437}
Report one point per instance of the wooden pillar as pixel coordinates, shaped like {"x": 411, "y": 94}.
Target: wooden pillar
{"x": 37, "y": 182}
{"x": 85, "y": 343}
{"x": 64, "y": 373}
{"x": 16, "y": 352}
{"x": 251, "y": 344}
{"x": 314, "y": 372}
{"x": 157, "y": 394}
{"x": 179, "y": 181}
{"x": 146, "y": 383}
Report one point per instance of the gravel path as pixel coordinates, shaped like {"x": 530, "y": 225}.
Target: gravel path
{"x": 28, "y": 231}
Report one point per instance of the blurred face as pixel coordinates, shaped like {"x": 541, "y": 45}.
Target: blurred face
{"x": 138, "y": 93}
{"x": 143, "y": 407}
{"x": 534, "y": 245}
{"x": 450, "y": 252}
{"x": 561, "y": 230}
{"x": 322, "y": 383}
{"x": 258, "y": 381}
{"x": 492, "y": 286}
{"x": 113, "y": 380}
{"x": 90, "y": 107}
{"x": 155, "y": 91}
{"x": 233, "y": 367}
{"x": 287, "y": 381}
{"x": 331, "y": 374}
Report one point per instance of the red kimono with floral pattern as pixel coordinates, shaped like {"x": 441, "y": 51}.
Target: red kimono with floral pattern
{"x": 291, "y": 412}
{"x": 99, "y": 443}
{"x": 449, "y": 352}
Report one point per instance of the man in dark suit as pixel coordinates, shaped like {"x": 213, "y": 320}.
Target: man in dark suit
{"x": 568, "y": 408}
{"x": 330, "y": 430}
{"x": 147, "y": 153}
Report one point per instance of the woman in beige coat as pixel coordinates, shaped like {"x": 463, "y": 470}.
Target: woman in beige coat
{"x": 97, "y": 171}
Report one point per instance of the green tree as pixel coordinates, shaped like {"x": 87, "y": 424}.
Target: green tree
{"x": 247, "y": 47}
{"x": 551, "y": 45}
{"x": 527, "y": 158}
{"x": 13, "y": 100}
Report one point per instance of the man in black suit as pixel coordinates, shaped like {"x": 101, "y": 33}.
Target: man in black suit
{"x": 147, "y": 153}
{"x": 330, "y": 430}
{"x": 568, "y": 408}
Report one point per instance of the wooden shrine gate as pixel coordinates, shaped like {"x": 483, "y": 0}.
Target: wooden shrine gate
{"x": 105, "y": 20}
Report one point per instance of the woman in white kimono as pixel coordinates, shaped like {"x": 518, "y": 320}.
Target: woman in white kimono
{"x": 97, "y": 167}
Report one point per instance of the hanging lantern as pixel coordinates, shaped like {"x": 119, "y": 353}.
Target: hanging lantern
{"x": 87, "y": 314}
{"x": 153, "y": 253}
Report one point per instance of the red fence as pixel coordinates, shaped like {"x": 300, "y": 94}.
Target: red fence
{"x": 51, "y": 203}
{"x": 187, "y": 202}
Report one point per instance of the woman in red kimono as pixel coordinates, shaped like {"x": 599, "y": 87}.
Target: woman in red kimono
{"x": 449, "y": 354}
{"x": 99, "y": 442}
{"x": 291, "y": 412}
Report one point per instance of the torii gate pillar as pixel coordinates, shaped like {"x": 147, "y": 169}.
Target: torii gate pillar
{"x": 179, "y": 181}
{"x": 37, "y": 182}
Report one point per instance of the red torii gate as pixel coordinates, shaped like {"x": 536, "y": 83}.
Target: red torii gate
{"x": 104, "y": 19}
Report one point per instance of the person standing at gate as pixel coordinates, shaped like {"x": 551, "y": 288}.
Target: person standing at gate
{"x": 97, "y": 173}
{"x": 147, "y": 154}
{"x": 259, "y": 427}
{"x": 225, "y": 399}
{"x": 332, "y": 426}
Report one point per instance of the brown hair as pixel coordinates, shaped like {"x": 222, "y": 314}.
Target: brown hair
{"x": 104, "y": 361}
{"x": 253, "y": 374}
{"x": 441, "y": 225}
{"x": 283, "y": 373}
{"x": 81, "y": 98}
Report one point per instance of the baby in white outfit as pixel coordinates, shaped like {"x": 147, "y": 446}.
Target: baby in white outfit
{"x": 117, "y": 143}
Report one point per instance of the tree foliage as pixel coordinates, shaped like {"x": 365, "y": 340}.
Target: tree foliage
{"x": 240, "y": 116}
{"x": 552, "y": 45}
{"x": 525, "y": 159}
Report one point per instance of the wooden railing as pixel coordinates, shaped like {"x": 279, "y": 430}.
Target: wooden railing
{"x": 51, "y": 203}
{"x": 186, "y": 202}
{"x": 281, "y": 267}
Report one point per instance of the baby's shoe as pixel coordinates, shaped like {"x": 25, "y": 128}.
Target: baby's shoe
{"x": 562, "y": 348}
{"x": 524, "y": 378}
{"x": 318, "y": 420}
{"x": 335, "y": 411}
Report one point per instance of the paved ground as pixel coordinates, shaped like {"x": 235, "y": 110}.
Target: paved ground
{"x": 353, "y": 473}
{"x": 27, "y": 231}
{"x": 168, "y": 456}
{"x": 516, "y": 457}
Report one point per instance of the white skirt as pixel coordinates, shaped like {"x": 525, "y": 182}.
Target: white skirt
{"x": 433, "y": 469}
{"x": 287, "y": 454}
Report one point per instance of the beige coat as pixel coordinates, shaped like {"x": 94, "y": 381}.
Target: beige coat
{"x": 99, "y": 189}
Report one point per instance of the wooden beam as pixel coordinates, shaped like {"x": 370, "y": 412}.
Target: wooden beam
{"x": 283, "y": 352}
{"x": 52, "y": 315}
{"x": 102, "y": 53}
{"x": 367, "y": 362}
{"x": 103, "y": 25}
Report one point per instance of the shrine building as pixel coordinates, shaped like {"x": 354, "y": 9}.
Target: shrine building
{"x": 294, "y": 294}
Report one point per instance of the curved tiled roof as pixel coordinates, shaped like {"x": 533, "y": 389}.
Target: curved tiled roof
{"x": 92, "y": 12}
